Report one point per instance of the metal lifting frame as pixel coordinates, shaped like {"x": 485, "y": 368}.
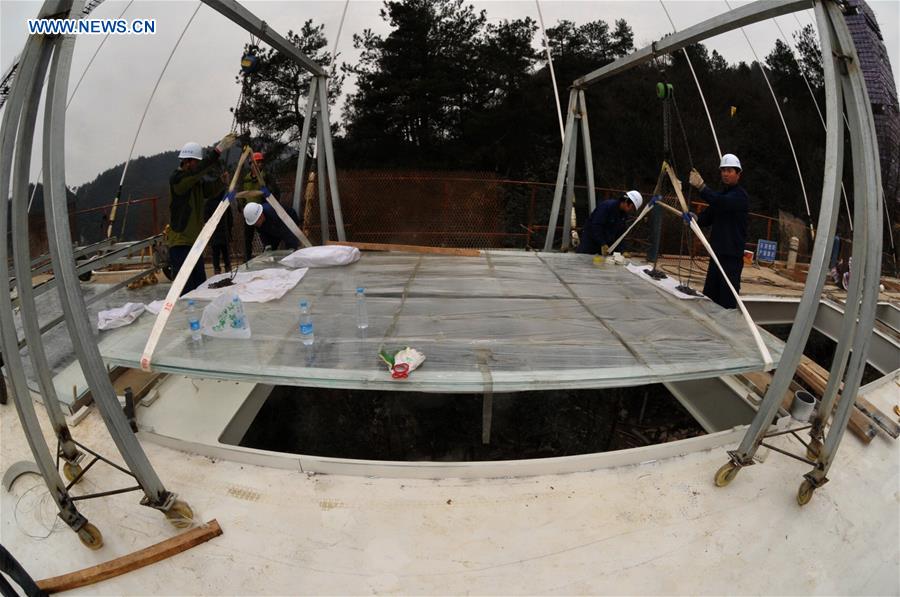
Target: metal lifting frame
{"x": 317, "y": 103}
{"x": 326, "y": 174}
{"x": 16, "y": 139}
{"x": 844, "y": 86}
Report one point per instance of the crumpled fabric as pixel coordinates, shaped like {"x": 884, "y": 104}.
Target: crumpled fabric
{"x": 325, "y": 256}
{"x": 156, "y": 306}
{"x": 260, "y": 286}
{"x": 120, "y": 316}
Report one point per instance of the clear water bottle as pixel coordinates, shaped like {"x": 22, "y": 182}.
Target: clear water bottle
{"x": 306, "y": 324}
{"x": 239, "y": 321}
{"x": 362, "y": 314}
{"x": 193, "y": 317}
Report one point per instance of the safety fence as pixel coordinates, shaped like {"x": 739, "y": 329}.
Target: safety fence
{"x": 440, "y": 209}
{"x": 471, "y": 210}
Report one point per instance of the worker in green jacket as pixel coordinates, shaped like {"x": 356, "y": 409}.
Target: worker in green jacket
{"x": 189, "y": 188}
{"x": 252, "y": 192}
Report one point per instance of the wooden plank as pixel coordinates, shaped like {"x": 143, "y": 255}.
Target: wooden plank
{"x": 863, "y": 406}
{"x": 141, "y": 382}
{"x": 409, "y": 248}
{"x": 760, "y": 380}
{"x": 859, "y": 424}
{"x": 886, "y": 424}
{"x": 816, "y": 377}
{"x": 132, "y": 561}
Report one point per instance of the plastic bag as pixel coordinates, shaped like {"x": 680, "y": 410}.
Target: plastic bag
{"x": 326, "y": 256}
{"x": 224, "y": 317}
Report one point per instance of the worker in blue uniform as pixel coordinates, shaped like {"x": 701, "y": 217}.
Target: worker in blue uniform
{"x": 607, "y": 222}
{"x": 272, "y": 231}
{"x": 727, "y": 214}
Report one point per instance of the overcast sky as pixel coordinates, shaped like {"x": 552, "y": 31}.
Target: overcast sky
{"x": 198, "y": 88}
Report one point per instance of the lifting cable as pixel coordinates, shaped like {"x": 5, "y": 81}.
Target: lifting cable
{"x": 334, "y": 49}
{"x": 337, "y": 38}
{"x": 562, "y": 130}
{"x": 666, "y": 92}
{"x": 887, "y": 214}
{"x": 812, "y": 95}
{"x": 72, "y": 96}
{"x": 812, "y": 230}
{"x": 712, "y": 127}
{"x": 112, "y": 215}
{"x": 249, "y": 65}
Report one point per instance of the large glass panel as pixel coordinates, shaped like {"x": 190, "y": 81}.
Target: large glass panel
{"x": 505, "y": 321}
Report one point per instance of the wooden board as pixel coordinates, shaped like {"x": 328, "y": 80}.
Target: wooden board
{"x": 860, "y": 425}
{"x": 883, "y": 421}
{"x": 816, "y": 377}
{"x": 132, "y": 561}
{"x": 409, "y": 248}
{"x": 140, "y": 382}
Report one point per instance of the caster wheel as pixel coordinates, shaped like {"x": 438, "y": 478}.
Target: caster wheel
{"x": 726, "y": 474}
{"x": 70, "y": 471}
{"x": 180, "y": 515}
{"x": 91, "y": 536}
{"x": 805, "y": 493}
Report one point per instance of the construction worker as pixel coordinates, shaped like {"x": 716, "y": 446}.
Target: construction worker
{"x": 252, "y": 192}
{"x": 607, "y": 223}
{"x": 221, "y": 237}
{"x": 272, "y": 231}
{"x": 189, "y": 187}
{"x": 727, "y": 214}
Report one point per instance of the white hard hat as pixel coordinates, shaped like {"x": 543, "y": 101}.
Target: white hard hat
{"x": 252, "y": 211}
{"x": 729, "y": 160}
{"x": 635, "y": 198}
{"x": 192, "y": 151}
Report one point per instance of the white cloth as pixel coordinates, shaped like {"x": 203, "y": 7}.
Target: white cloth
{"x": 259, "y": 286}
{"x": 666, "y": 284}
{"x": 119, "y": 317}
{"x": 325, "y": 256}
{"x": 156, "y": 306}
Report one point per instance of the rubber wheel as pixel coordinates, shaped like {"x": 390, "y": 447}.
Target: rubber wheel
{"x": 180, "y": 515}
{"x": 805, "y": 493}
{"x": 90, "y": 536}
{"x": 86, "y": 276}
{"x": 71, "y": 470}
{"x": 726, "y": 474}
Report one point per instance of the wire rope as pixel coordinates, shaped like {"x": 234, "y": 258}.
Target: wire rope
{"x": 137, "y": 133}
{"x": 697, "y": 83}
{"x": 787, "y": 132}
{"x": 562, "y": 130}
{"x": 812, "y": 95}
{"x": 72, "y": 96}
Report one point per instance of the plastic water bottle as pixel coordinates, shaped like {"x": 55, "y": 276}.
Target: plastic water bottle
{"x": 362, "y": 314}
{"x": 239, "y": 321}
{"x": 306, "y": 324}
{"x": 194, "y": 322}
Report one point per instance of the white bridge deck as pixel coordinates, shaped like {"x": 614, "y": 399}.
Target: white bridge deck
{"x": 502, "y": 321}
